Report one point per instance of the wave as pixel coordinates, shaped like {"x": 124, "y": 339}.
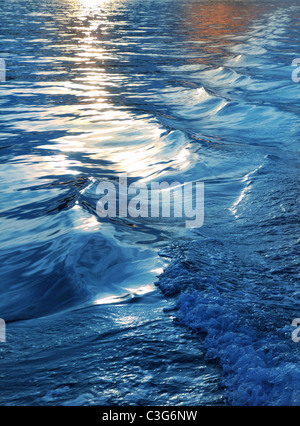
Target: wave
{"x": 239, "y": 292}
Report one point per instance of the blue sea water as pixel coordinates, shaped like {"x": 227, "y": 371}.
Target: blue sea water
{"x": 134, "y": 312}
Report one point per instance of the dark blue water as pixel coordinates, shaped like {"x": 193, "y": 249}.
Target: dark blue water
{"x": 160, "y": 90}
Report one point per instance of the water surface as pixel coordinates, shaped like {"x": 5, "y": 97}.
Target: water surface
{"x": 167, "y": 91}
